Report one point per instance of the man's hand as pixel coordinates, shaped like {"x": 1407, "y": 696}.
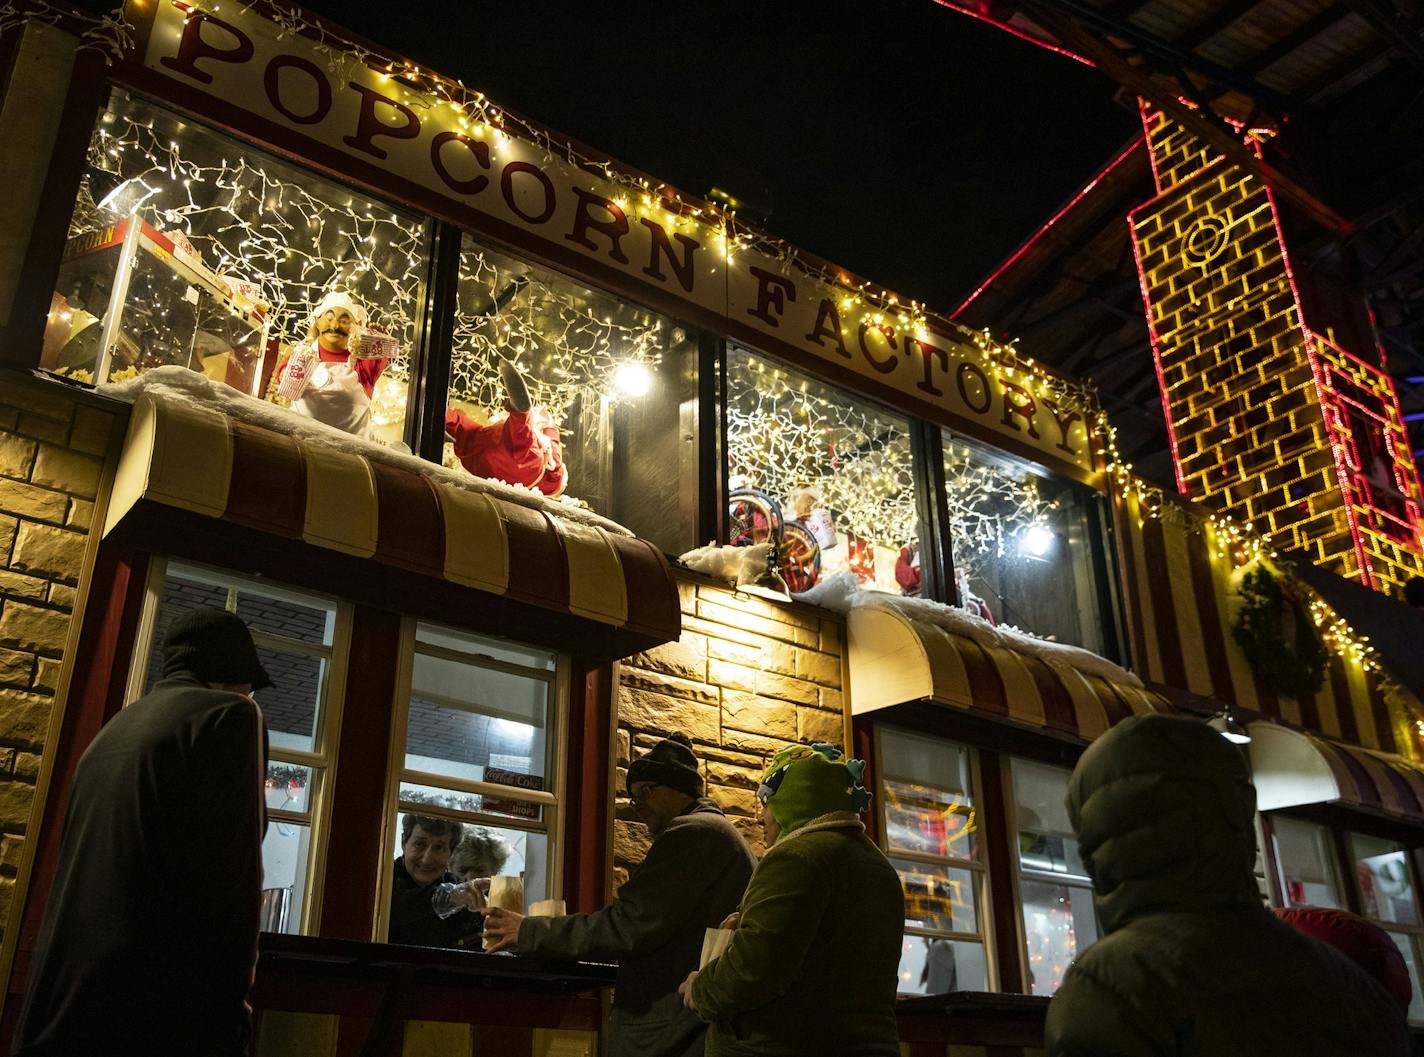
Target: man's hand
{"x": 501, "y": 928}
{"x": 731, "y": 921}
{"x": 685, "y": 990}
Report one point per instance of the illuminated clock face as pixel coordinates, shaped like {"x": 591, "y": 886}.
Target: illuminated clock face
{"x": 1205, "y": 240}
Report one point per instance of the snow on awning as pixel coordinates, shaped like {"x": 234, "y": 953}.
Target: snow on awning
{"x": 898, "y": 654}
{"x": 202, "y": 459}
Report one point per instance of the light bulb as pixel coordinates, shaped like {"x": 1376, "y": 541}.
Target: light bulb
{"x": 1036, "y": 540}
{"x": 633, "y": 378}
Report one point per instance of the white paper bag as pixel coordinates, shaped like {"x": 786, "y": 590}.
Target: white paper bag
{"x": 714, "y": 944}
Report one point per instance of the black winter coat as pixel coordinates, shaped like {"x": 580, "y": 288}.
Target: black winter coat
{"x": 149, "y": 937}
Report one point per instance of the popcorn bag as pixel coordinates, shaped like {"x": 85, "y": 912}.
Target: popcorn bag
{"x": 714, "y": 944}
{"x": 372, "y": 343}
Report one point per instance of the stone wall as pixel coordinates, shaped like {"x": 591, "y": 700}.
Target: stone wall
{"x": 53, "y": 444}
{"x": 747, "y": 676}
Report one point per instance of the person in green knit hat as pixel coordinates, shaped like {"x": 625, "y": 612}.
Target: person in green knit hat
{"x": 812, "y": 966}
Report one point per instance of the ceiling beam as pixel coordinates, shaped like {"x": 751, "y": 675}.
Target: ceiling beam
{"x": 1386, "y": 20}
{"x": 1302, "y": 34}
{"x": 1213, "y": 24}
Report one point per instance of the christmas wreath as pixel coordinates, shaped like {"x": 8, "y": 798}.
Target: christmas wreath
{"x": 1276, "y": 633}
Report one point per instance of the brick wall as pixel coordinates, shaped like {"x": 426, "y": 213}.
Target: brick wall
{"x": 747, "y": 676}
{"x": 53, "y": 444}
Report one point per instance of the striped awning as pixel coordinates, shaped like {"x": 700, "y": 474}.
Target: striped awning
{"x": 1292, "y": 768}
{"x": 895, "y": 658}
{"x": 199, "y": 459}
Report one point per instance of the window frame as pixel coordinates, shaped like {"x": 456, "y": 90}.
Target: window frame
{"x": 980, "y": 870}
{"x": 1016, "y": 870}
{"x": 322, "y": 760}
{"x": 553, "y": 800}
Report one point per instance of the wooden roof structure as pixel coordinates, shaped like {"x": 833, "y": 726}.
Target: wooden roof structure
{"x": 1342, "y": 83}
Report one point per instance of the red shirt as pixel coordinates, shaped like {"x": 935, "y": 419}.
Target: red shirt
{"x": 509, "y": 449}
{"x": 368, "y": 371}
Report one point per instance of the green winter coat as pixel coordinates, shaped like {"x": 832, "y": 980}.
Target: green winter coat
{"x": 1191, "y": 964}
{"x": 812, "y": 966}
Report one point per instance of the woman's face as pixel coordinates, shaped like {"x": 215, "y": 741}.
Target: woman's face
{"x": 479, "y": 868}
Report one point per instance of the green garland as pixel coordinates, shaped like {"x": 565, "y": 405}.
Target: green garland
{"x": 1290, "y": 665}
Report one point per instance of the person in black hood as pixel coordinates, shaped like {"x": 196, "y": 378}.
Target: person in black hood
{"x": 149, "y": 937}
{"x": 1191, "y": 963}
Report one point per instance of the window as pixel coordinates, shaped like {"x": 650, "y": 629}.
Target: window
{"x": 932, "y": 839}
{"x": 1306, "y": 863}
{"x": 478, "y": 749}
{"x": 1023, "y": 545}
{"x": 301, "y": 640}
{"x": 1385, "y": 880}
{"x": 1057, "y": 897}
{"x": 835, "y": 473}
{"x": 190, "y": 248}
{"x": 612, "y": 389}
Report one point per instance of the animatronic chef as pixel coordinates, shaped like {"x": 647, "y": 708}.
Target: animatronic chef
{"x": 332, "y": 377}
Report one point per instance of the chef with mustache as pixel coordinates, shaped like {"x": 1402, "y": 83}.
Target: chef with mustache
{"x": 321, "y": 379}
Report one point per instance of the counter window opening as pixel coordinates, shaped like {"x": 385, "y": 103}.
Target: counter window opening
{"x": 833, "y": 473}
{"x": 930, "y": 827}
{"x": 1321, "y": 867}
{"x": 1055, "y": 893}
{"x": 1025, "y": 545}
{"x": 608, "y": 411}
{"x": 301, "y": 640}
{"x": 474, "y": 775}
{"x": 192, "y": 249}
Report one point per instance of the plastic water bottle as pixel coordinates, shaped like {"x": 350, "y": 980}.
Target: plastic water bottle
{"x": 441, "y": 902}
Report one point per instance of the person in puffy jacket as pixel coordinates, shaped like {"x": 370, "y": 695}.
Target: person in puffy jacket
{"x": 1190, "y": 961}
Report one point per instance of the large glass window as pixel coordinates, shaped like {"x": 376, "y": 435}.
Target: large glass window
{"x": 932, "y": 839}
{"x": 1388, "y": 897}
{"x": 475, "y": 782}
{"x": 831, "y": 475}
{"x": 1056, "y": 893}
{"x": 190, "y": 248}
{"x": 598, "y": 401}
{"x": 300, "y": 639}
{"x": 1023, "y": 545}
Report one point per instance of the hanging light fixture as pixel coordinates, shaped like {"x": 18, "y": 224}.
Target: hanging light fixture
{"x": 1225, "y": 725}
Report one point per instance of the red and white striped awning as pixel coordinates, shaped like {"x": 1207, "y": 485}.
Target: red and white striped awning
{"x": 895, "y": 658}
{"x": 199, "y": 459}
{"x": 1292, "y": 768}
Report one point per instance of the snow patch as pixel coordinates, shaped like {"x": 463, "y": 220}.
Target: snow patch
{"x": 742, "y": 565}
{"x": 843, "y": 593}
{"x": 188, "y": 387}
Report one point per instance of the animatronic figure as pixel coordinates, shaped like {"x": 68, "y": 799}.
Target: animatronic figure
{"x": 333, "y": 376}
{"x": 519, "y": 445}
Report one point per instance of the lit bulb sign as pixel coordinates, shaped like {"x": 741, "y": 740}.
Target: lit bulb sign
{"x": 431, "y": 142}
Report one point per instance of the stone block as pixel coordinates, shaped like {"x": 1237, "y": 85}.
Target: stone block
{"x": 33, "y": 628}
{"x": 69, "y": 471}
{"x": 8, "y": 527}
{"x": 24, "y": 717}
{"x": 26, "y": 766}
{"x": 47, "y": 675}
{"x": 63, "y": 597}
{"x": 814, "y": 725}
{"x": 630, "y": 842}
{"x": 623, "y": 742}
{"x": 757, "y": 715}
{"x": 618, "y": 878}
{"x": 739, "y": 776}
{"x": 17, "y": 455}
{"x": 832, "y": 636}
{"x": 750, "y": 829}
{"x": 11, "y": 848}
{"x": 15, "y": 800}
{"x": 50, "y": 399}
{"x": 54, "y": 553}
{"x": 36, "y": 504}
{"x": 92, "y": 430}
{"x": 16, "y": 668}
{"x": 767, "y": 684}
{"x": 823, "y": 668}
{"x": 659, "y": 712}
{"x": 685, "y": 658}
{"x": 807, "y": 637}
{"x": 667, "y": 684}
{"x": 724, "y": 632}
{"x": 686, "y": 596}
{"x": 739, "y": 618}
{"x": 9, "y": 419}
{"x": 766, "y": 654}
{"x": 736, "y": 801}
{"x": 832, "y": 699}
{"x": 39, "y": 427}
{"x": 17, "y": 585}
{"x": 757, "y": 744}
{"x": 780, "y": 612}
{"x": 81, "y": 514}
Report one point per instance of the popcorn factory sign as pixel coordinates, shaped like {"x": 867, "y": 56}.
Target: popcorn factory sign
{"x": 352, "y": 116}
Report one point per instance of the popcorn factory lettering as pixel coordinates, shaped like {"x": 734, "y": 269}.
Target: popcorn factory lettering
{"x": 366, "y": 121}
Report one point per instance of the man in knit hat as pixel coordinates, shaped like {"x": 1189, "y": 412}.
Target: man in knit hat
{"x": 692, "y": 877}
{"x": 812, "y": 966}
{"x": 149, "y": 936}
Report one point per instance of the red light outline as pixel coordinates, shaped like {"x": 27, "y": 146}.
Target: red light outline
{"x": 1024, "y": 246}
{"x": 1057, "y": 49}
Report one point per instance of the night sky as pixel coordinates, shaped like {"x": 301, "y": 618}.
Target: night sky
{"x": 902, "y": 140}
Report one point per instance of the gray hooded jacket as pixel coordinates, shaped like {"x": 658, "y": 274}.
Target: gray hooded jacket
{"x": 1191, "y": 964}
